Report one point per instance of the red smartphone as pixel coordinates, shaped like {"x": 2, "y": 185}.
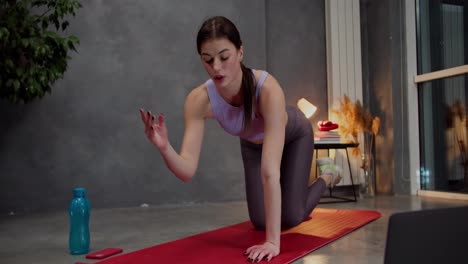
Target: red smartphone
{"x": 104, "y": 253}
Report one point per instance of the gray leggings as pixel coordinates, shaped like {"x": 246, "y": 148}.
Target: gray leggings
{"x": 297, "y": 199}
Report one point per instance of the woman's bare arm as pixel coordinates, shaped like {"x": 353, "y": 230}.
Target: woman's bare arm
{"x": 272, "y": 108}
{"x": 183, "y": 165}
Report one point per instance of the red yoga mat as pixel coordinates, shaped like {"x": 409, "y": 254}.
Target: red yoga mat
{"x": 226, "y": 245}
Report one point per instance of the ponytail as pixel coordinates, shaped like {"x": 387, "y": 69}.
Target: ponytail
{"x": 248, "y": 92}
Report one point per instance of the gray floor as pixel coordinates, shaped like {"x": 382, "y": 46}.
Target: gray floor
{"x": 43, "y": 238}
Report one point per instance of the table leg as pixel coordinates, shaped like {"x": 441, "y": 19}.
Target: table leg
{"x": 316, "y": 167}
{"x": 340, "y": 199}
{"x": 351, "y": 175}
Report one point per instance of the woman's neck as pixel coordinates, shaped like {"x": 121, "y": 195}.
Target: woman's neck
{"x": 233, "y": 92}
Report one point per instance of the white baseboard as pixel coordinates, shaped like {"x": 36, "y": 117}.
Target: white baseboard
{"x": 444, "y": 195}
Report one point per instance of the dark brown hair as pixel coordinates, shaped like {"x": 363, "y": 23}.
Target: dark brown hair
{"x": 220, "y": 27}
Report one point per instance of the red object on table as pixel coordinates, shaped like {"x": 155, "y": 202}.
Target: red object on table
{"x": 328, "y": 128}
{"x": 326, "y": 125}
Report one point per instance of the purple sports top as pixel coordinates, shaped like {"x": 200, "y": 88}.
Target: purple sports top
{"x": 231, "y": 117}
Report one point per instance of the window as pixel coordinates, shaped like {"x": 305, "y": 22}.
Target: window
{"x": 443, "y": 94}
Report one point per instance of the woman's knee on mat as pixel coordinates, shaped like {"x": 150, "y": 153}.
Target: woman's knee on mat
{"x": 291, "y": 220}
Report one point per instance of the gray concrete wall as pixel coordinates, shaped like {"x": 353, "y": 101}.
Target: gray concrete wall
{"x": 136, "y": 54}
{"x": 296, "y": 51}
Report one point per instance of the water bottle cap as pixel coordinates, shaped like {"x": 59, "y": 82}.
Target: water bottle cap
{"x": 79, "y": 192}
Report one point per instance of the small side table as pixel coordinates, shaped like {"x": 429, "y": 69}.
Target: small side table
{"x": 337, "y": 145}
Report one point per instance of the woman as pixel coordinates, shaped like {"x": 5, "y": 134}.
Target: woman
{"x": 276, "y": 141}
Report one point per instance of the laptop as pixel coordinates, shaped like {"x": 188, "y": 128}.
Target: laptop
{"x": 428, "y": 236}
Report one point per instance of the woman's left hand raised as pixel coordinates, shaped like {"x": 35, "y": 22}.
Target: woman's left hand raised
{"x": 265, "y": 251}
{"x": 156, "y": 132}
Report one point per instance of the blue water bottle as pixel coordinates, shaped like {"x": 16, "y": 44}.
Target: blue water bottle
{"x": 79, "y": 211}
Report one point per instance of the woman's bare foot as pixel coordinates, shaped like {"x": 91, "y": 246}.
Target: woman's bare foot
{"x": 331, "y": 180}
{"x": 330, "y": 172}
{"x": 327, "y": 178}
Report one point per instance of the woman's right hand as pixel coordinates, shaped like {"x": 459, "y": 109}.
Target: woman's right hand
{"x": 155, "y": 132}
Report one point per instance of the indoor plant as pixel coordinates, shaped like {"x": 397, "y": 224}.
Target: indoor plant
{"x": 457, "y": 122}
{"x": 355, "y": 120}
{"x": 33, "y": 55}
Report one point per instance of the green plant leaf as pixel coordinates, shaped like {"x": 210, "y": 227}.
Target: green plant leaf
{"x": 65, "y": 25}
{"x": 25, "y": 42}
{"x": 4, "y": 33}
{"x": 38, "y": 3}
{"x": 9, "y": 63}
{"x": 44, "y": 24}
{"x": 32, "y": 55}
{"x": 16, "y": 84}
{"x": 20, "y": 72}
